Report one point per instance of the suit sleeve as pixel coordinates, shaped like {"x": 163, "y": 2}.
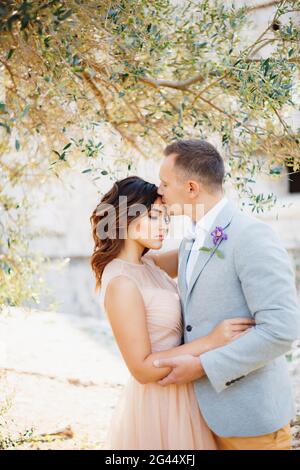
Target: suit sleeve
{"x": 268, "y": 283}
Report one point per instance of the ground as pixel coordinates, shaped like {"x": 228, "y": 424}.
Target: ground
{"x": 63, "y": 376}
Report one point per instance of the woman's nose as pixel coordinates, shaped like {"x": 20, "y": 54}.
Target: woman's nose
{"x": 163, "y": 228}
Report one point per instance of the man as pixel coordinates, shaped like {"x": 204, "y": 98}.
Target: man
{"x": 231, "y": 265}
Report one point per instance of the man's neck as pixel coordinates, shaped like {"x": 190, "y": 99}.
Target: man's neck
{"x": 203, "y": 207}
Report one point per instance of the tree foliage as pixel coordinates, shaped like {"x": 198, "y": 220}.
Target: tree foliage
{"x": 151, "y": 71}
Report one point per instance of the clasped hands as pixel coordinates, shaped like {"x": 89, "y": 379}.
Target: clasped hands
{"x": 185, "y": 368}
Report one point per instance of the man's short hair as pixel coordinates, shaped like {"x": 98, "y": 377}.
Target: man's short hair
{"x": 200, "y": 159}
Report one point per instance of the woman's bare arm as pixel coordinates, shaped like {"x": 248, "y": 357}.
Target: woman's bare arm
{"x": 129, "y": 325}
{"x": 167, "y": 261}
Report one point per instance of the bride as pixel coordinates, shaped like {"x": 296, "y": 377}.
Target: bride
{"x": 140, "y": 298}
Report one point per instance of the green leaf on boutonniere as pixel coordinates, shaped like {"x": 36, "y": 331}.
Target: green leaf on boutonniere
{"x": 210, "y": 250}
{"x": 204, "y": 248}
{"x": 220, "y": 254}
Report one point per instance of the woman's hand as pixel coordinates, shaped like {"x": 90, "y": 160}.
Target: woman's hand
{"x": 229, "y": 330}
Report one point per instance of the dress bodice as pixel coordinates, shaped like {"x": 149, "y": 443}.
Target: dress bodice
{"x": 160, "y": 295}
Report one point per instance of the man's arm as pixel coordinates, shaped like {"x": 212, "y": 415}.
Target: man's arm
{"x": 268, "y": 282}
{"x": 167, "y": 261}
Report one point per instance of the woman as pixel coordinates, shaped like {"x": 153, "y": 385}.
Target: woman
{"x": 140, "y": 298}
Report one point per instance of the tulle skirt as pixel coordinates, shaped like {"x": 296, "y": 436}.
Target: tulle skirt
{"x": 154, "y": 417}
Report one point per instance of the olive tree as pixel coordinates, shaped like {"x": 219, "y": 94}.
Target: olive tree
{"x": 148, "y": 72}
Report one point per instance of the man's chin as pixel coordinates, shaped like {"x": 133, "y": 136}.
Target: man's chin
{"x": 174, "y": 213}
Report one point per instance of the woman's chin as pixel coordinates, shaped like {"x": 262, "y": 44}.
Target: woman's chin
{"x": 155, "y": 244}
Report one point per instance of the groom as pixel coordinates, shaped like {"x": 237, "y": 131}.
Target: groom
{"x": 231, "y": 265}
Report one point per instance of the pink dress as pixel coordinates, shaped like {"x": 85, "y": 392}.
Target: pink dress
{"x": 150, "y": 416}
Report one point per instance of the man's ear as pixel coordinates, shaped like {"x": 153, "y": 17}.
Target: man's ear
{"x": 193, "y": 188}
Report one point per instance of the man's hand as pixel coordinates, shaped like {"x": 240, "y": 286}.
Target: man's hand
{"x": 186, "y": 368}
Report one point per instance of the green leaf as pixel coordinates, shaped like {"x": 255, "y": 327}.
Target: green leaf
{"x": 200, "y": 44}
{"x": 10, "y": 53}
{"x": 65, "y": 15}
{"x": 17, "y": 145}
{"x": 67, "y": 146}
{"x": 3, "y": 124}
{"x": 25, "y": 21}
{"x": 219, "y": 254}
{"x": 204, "y": 248}
{"x": 212, "y": 250}
{"x": 25, "y": 111}
{"x": 87, "y": 170}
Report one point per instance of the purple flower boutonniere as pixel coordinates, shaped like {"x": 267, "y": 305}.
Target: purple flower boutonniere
{"x": 217, "y": 235}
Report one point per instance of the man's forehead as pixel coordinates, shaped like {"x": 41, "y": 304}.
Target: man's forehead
{"x": 166, "y": 166}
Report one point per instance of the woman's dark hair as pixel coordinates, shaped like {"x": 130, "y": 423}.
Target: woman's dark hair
{"x": 115, "y": 213}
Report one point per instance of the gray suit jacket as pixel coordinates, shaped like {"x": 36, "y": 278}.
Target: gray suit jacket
{"x": 247, "y": 390}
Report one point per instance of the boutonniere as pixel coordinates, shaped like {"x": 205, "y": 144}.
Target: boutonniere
{"x": 217, "y": 235}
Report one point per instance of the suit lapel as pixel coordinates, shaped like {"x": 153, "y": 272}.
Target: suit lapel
{"x": 223, "y": 220}
{"x": 187, "y": 245}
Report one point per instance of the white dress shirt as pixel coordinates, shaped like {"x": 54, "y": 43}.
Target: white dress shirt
{"x": 199, "y": 230}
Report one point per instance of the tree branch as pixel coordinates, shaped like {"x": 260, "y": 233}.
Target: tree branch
{"x": 179, "y": 85}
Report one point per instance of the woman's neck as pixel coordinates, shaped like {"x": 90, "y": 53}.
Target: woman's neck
{"x": 131, "y": 252}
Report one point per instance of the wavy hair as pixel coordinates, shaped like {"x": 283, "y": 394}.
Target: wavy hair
{"x": 111, "y": 218}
